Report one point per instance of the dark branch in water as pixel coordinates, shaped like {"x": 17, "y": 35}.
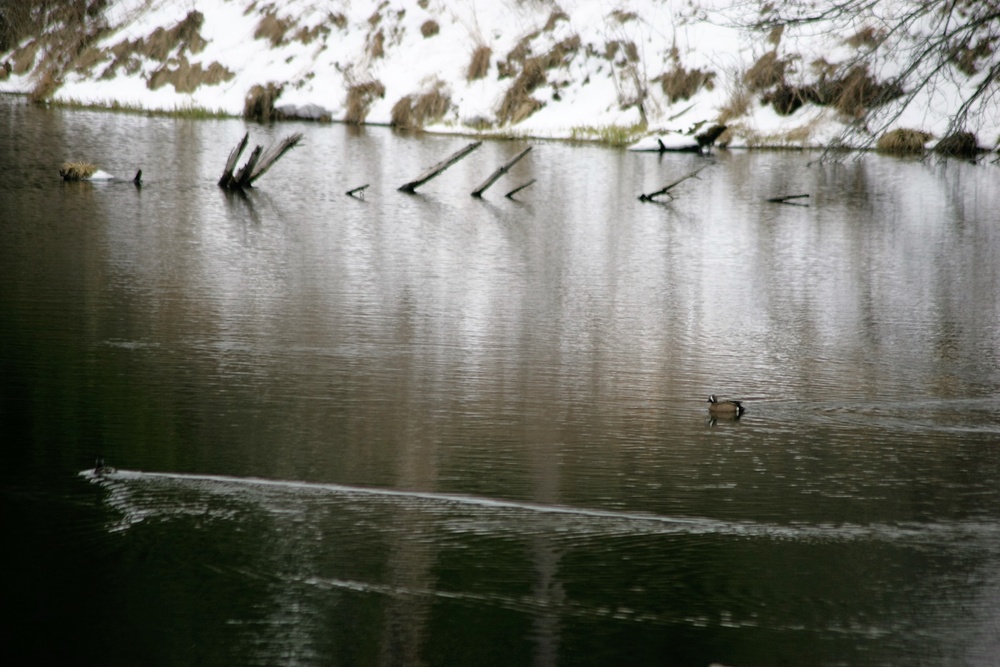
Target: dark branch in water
{"x": 412, "y": 186}
{"x": 786, "y": 199}
{"x": 665, "y": 190}
{"x": 478, "y": 192}
{"x": 358, "y": 192}
{"x": 510, "y": 195}
{"x": 257, "y": 164}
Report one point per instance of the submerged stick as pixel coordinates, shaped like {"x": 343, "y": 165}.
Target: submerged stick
{"x": 665, "y": 190}
{"x": 257, "y": 164}
{"x": 478, "y": 192}
{"x": 273, "y": 154}
{"x": 786, "y": 199}
{"x": 358, "y": 192}
{"x": 242, "y": 178}
{"x": 510, "y": 195}
{"x": 226, "y": 179}
{"x": 438, "y": 168}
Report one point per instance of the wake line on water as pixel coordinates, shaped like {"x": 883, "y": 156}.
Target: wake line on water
{"x": 636, "y": 522}
{"x": 342, "y": 489}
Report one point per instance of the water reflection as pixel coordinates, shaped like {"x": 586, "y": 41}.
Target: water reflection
{"x": 494, "y": 411}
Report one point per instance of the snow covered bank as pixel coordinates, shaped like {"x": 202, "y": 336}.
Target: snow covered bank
{"x": 568, "y": 68}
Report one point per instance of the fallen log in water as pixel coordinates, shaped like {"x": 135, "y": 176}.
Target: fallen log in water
{"x": 358, "y": 192}
{"x": 510, "y": 195}
{"x": 257, "y": 164}
{"x": 478, "y": 192}
{"x": 412, "y": 186}
{"x": 786, "y": 199}
{"x": 665, "y": 190}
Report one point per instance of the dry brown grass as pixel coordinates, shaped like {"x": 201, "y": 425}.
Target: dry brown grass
{"x": 429, "y": 28}
{"x": 517, "y": 103}
{"x": 902, "y": 142}
{"x": 77, "y": 171}
{"x": 867, "y": 38}
{"x": 785, "y": 99}
{"x": 259, "y": 102}
{"x": 272, "y": 28}
{"x": 555, "y": 17}
{"x": 414, "y": 112}
{"x": 46, "y": 84}
{"x": 958, "y": 144}
{"x": 681, "y": 84}
{"x": 186, "y": 78}
{"x": 855, "y": 92}
{"x": 338, "y": 20}
{"x": 739, "y": 103}
{"x": 768, "y": 71}
{"x": 623, "y": 16}
{"x": 479, "y": 66}
{"x": 774, "y": 37}
{"x": 376, "y": 45}
{"x": 359, "y": 100}
{"x": 24, "y": 58}
{"x": 185, "y": 34}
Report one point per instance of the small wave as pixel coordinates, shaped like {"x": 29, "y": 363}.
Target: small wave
{"x": 135, "y": 494}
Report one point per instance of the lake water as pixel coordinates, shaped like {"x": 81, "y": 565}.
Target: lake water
{"x": 434, "y": 430}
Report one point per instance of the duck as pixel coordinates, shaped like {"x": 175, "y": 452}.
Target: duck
{"x": 718, "y": 408}
{"x": 101, "y": 469}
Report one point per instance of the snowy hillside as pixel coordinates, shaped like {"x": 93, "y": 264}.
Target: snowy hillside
{"x": 549, "y": 68}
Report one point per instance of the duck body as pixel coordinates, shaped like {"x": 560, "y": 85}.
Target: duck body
{"x": 719, "y": 408}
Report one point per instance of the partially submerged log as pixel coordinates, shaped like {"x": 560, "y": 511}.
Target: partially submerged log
{"x": 412, "y": 186}
{"x": 478, "y": 192}
{"x": 358, "y": 192}
{"x": 665, "y": 190}
{"x": 257, "y": 164}
{"x": 510, "y": 195}
{"x": 787, "y": 199}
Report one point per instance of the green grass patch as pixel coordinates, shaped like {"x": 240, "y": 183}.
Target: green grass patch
{"x": 612, "y": 135}
{"x": 187, "y": 111}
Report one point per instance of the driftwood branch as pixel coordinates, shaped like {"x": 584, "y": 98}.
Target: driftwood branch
{"x": 786, "y": 199}
{"x": 358, "y": 192}
{"x": 478, "y": 192}
{"x": 226, "y": 179}
{"x": 273, "y": 154}
{"x": 257, "y": 164}
{"x": 438, "y": 168}
{"x": 242, "y": 178}
{"x": 510, "y": 195}
{"x": 665, "y": 190}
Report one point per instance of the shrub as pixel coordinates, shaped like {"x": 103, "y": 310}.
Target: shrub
{"x": 902, "y": 142}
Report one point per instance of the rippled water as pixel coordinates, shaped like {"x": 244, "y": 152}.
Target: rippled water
{"x": 431, "y": 429}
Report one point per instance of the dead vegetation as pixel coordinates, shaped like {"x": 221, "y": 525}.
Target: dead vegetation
{"x": 273, "y": 28}
{"x": 902, "y": 142}
{"x": 359, "y": 100}
{"x": 681, "y": 84}
{"x": 186, "y": 78}
{"x": 517, "y": 103}
{"x": 479, "y": 65}
{"x": 376, "y": 44}
{"x": 852, "y": 92}
{"x": 414, "y": 112}
{"x": 259, "y": 102}
{"x": 429, "y": 28}
{"x": 77, "y": 171}
{"x": 959, "y": 145}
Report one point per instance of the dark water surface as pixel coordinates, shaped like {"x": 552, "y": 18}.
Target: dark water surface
{"x": 434, "y": 430}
